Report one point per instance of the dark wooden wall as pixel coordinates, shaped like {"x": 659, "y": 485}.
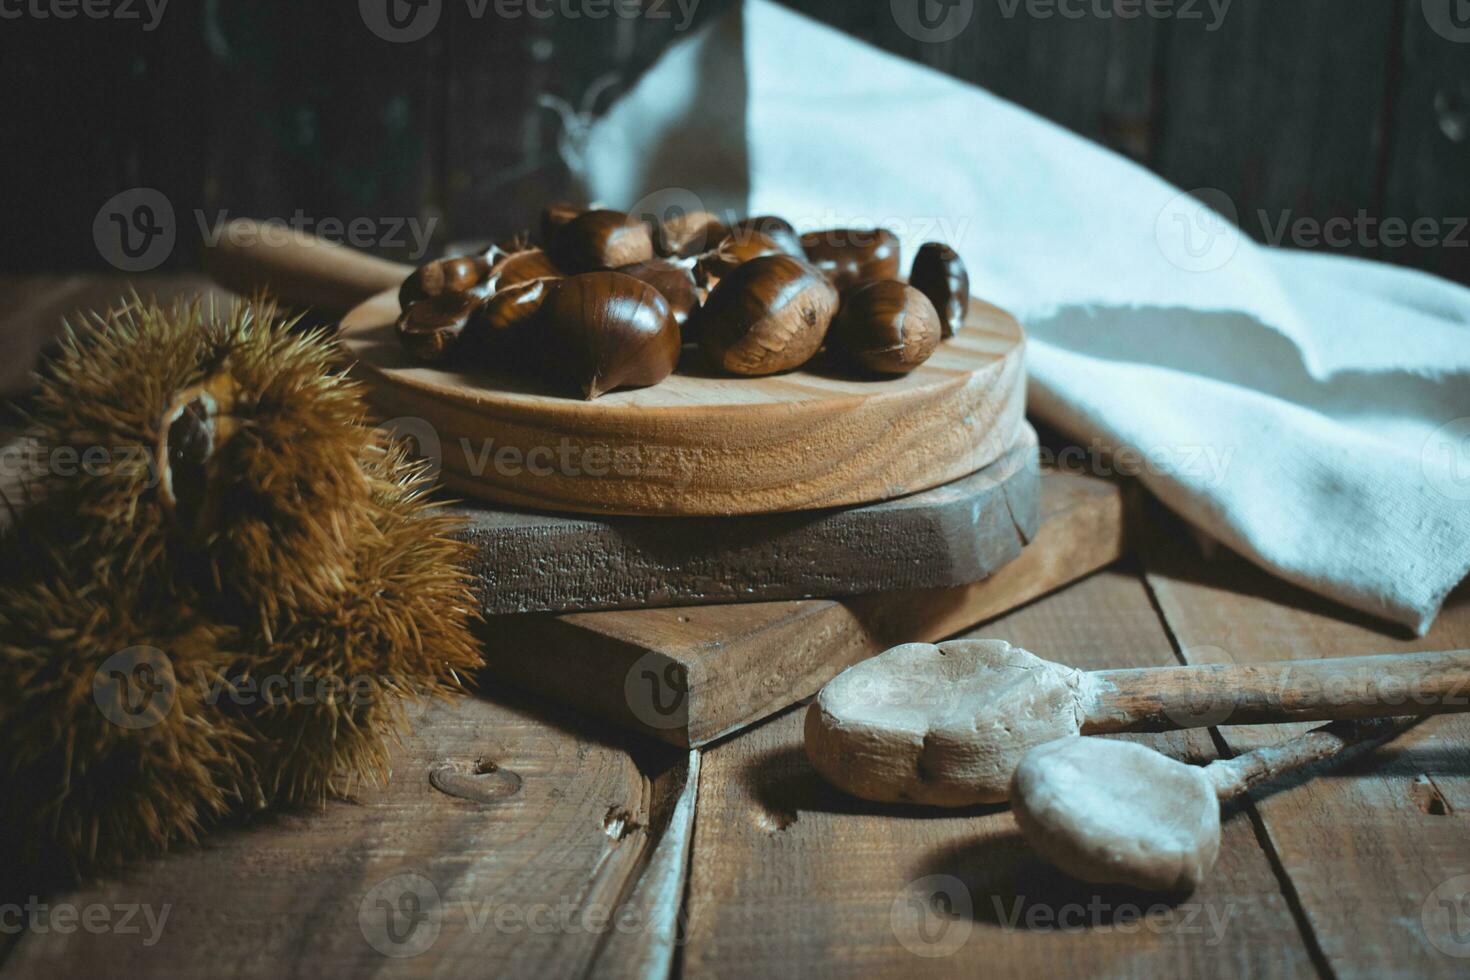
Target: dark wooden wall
{"x": 1297, "y": 109}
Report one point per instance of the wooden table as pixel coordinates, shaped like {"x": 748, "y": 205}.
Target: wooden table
{"x": 616, "y": 856}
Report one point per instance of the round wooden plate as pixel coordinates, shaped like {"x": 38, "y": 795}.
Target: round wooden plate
{"x": 701, "y": 442}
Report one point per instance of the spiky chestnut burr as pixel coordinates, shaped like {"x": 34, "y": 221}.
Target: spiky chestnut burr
{"x": 250, "y": 526}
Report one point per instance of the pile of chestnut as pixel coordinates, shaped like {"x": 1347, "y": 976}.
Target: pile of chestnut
{"x": 607, "y": 301}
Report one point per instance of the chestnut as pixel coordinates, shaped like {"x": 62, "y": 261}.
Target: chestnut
{"x": 430, "y": 329}
{"x": 599, "y": 240}
{"x": 553, "y": 216}
{"x": 731, "y": 254}
{"x": 609, "y": 330}
{"x": 887, "y": 326}
{"x": 687, "y": 235}
{"x": 770, "y": 314}
{"x": 674, "y": 280}
{"x": 939, "y": 273}
{"x": 778, "y": 230}
{"x": 850, "y": 256}
{"x": 456, "y": 276}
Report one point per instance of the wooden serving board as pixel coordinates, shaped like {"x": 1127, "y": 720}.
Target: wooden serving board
{"x": 689, "y": 676}
{"x": 527, "y": 561}
{"x": 702, "y": 443}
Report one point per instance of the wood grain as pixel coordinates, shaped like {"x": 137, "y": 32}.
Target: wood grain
{"x": 962, "y": 532}
{"x": 519, "y": 874}
{"x": 689, "y": 676}
{"x": 702, "y": 444}
{"x": 1366, "y": 849}
{"x": 1304, "y": 82}
{"x": 791, "y": 878}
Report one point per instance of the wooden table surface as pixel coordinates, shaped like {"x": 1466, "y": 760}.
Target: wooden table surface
{"x": 616, "y": 856}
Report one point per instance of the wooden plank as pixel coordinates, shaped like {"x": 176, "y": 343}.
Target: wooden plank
{"x": 1425, "y": 164}
{"x": 117, "y": 106}
{"x": 316, "y": 118}
{"x": 1280, "y": 108}
{"x": 791, "y": 878}
{"x": 690, "y": 675}
{"x": 962, "y": 532}
{"x": 1366, "y": 849}
{"x": 1093, "y": 74}
{"x": 530, "y": 869}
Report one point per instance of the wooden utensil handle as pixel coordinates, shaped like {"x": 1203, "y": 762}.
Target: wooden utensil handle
{"x": 1168, "y": 698}
{"x": 300, "y": 269}
{"x": 1233, "y": 777}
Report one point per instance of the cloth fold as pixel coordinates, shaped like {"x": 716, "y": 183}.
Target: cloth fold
{"x": 1311, "y": 412}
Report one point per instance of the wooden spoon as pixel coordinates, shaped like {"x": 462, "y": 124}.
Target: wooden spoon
{"x": 947, "y": 725}
{"x": 1113, "y": 812}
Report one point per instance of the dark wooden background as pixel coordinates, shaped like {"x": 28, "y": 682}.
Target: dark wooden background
{"x": 1319, "y": 108}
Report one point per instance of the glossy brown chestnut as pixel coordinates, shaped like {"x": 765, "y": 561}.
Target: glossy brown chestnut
{"x": 553, "y": 216}
{"x": 939, "y": 273}
{"x": 674, "y": 280}
{"x": 456, "y": 276}
{"x": 771, "y": 314}
{"x": 732, "y": 253}
{"x": 609, "y": 331}
{"x": 430, "y": 330}
{"x": 777, "y": 229}
{"x": 849, "y": 256}
{"x": 595, "y": 241}
{"x": 886, "y": 326}
{"x": 686, "y": 235}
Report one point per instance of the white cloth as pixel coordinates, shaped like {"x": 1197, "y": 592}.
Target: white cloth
{"x": 1313, "y": 413}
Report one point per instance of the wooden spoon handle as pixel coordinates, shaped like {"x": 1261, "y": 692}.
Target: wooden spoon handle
{"x": 300, "y": 269}
{"x": 1233, "y": 777}
{"x": 1167, "y": 698}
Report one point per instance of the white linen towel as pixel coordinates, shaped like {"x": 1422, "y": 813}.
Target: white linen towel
{"x": 1311, "y": 412}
